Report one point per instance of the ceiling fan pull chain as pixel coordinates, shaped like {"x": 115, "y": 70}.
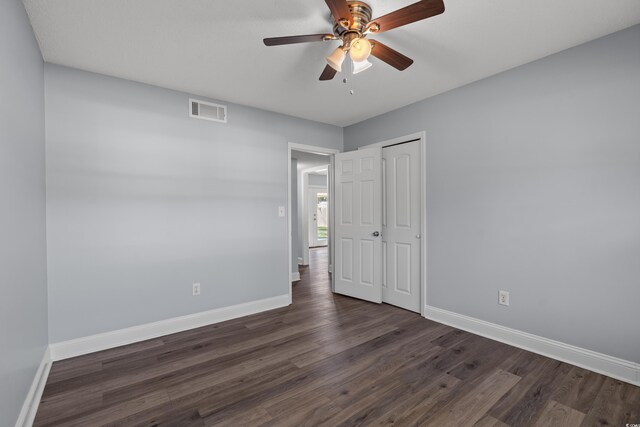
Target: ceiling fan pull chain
{"x": 345, "y": 81}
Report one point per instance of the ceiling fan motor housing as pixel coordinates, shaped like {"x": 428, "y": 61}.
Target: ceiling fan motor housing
{"x": 361, "y": 16}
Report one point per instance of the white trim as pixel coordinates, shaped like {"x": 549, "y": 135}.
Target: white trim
{"x": 332, "y": 220}
{"x": 304, "y": 218}
{"x": 289, "y": 228}
{"x": 398, "y": 140}
{"x": 93, "y": 343}
{"x": 313, "y": 149}
{"x": 613, "y": 367}
{"x": 32, "y": 401}
{"x": 295, "y": 276}
{"x": 423, "y": 224}
{"x": 308, "y": 149}
{"x": 422, "y": 136}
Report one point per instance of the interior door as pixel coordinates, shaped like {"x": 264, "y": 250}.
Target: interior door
{"x": 318, "y": 217}
{"x": 401, "y": 225}
{"x": 358, "y": 223}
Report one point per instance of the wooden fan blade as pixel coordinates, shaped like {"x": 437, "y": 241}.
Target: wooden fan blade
{"x": 390, "y": 56}
{"x": 340, "y": 10}
{"x": 276, "y": 41}
{"x": 415, "y": 12}
{"x": 328, "y": 73}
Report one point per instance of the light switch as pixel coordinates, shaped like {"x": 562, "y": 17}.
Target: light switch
{"x": 281, "y": 210}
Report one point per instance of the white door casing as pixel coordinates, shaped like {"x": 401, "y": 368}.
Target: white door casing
{"x": 309, "y": 149}
{"x": 358, "y": 224}
{"x": 401, "y": 225}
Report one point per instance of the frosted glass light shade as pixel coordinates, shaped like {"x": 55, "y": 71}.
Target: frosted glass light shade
{"x": 358, "y": 67}
{"x": 336, "y": 59}
{"x": 360, "y": 50}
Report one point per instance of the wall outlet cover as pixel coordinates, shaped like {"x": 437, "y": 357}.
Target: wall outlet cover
{"x": 196, "y": 289}
{"x": 503, "y": 298}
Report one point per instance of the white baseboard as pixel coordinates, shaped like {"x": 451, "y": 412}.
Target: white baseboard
{"x": 295, "y": 276}
{"x": 613, "y": 367}
{"x": 299, "y": 260}
{"x": 32, "y": 401}
{"x": 93, "y": 343}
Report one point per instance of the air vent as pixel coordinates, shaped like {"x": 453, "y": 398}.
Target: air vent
{"x": 207, "y": 111}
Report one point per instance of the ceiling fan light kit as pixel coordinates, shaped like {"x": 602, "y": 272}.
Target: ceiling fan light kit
{"x": 360, "y": 49}
{"x": 336, "y": 59}
{"x": 360, "y": 66}
{"x": 352, "y": 23}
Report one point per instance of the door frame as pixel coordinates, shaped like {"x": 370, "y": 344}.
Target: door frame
{"x": 310, "y": 189}
{"x": 422, "y": 137}
{"x": 309, "y": 149}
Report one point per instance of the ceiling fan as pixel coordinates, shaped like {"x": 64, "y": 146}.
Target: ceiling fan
{"x": 352, "y": 23}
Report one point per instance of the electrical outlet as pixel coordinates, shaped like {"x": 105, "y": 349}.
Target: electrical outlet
{"x": 196, "y": 289}
{"x": 281, "y": 211}
{"x": 503, "y": 298}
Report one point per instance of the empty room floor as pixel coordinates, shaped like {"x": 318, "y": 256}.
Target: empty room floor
{"x": 329, "y": 360}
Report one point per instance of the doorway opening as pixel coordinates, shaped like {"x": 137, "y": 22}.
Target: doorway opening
{"x": 318, "y": 211}
{"x": 310, "y": 210}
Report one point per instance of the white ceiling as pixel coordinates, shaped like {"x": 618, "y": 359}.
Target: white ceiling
{"x": 309, "y": 160}
{"x": 214, "y": 48}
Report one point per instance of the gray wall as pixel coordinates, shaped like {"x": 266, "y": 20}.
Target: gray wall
{"x": 317, "y": 179}
{"x": 142, "y": 201}
{"x": 295, "y": 231}
{"x": 534, "y": 187}
{"x": 23, "y": 283}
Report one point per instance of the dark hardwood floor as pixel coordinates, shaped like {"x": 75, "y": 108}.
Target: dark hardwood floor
{"x": 329, "y": 360}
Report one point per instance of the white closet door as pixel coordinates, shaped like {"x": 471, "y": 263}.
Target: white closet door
{"x": 401, "y": 225}
{"x": 358, "y": 222}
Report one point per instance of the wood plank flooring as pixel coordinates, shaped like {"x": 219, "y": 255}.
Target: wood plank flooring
{"x": 334, "y": 361}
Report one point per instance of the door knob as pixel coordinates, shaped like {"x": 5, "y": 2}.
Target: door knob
{"x": 376, "y": 233}
{"x": 417, "y": 236}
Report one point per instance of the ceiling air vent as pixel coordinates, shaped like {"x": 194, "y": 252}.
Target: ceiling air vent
{"x": 207, "y": 111}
